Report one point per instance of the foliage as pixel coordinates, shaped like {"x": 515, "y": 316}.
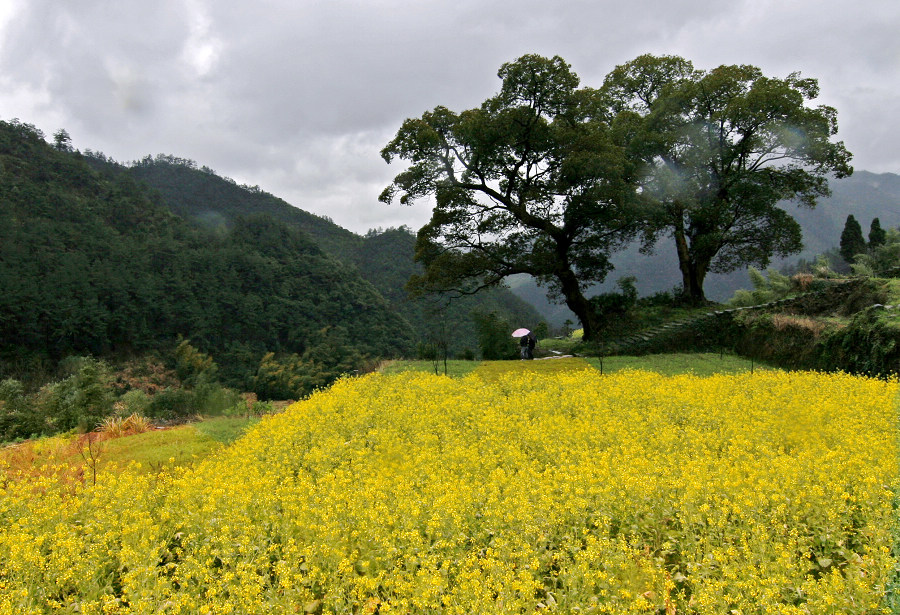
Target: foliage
{"x": 532, "y": 181}
{"x": 852, "y": 240}
{"x": 613, "y": 308}
{"x": 206, "y": 399}
{"x": 92, "y": 262}
{"x": 215, "y": 202}
{"x": 382, "y": 257}
{"x": 766, "y": 288}
{"x": 118, "y": 426}
{"x": 131, "y": 402}
{"x": 80, "y": 401}
{"x": 882, "y": 257}
{"x": 294, "y": 376}
{"x": 494, "y": 338}
{"x": 723, "y": 147}
{"x": 385, "y": 258}
{"x": 192, "y": 366}
{"x": 877, "y": 235}
{"x": 630, "y": 493}
{"x": 147, "y": 373}
{"x": 19, "y": 417}
{"x": 171, "y": 404}
{"x": 869, "y": 344}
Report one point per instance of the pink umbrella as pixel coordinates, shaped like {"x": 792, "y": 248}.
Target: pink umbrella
{"x": 520, "y": 332}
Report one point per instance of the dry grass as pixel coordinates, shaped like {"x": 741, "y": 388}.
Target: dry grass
{"x": 782, "y": 322}
{"x": 117, "y": 426}
{"x": 802, "y": 281}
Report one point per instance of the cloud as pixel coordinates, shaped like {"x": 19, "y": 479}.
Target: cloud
{"x": 299, "y": 97}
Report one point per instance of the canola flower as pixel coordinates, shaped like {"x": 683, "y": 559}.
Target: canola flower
{"x": 569, "y": 493}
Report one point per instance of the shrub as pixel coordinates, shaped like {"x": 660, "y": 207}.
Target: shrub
{"x": 769, "y": 287}
{"x": 18, "y": 416}
{"x": 212, "y": 399}
{"x": 80, "y": 401}
{"x": 134, "y": 401}
{"x": 614, "y": 304}
{"x": 494, "y": 337}
{"x": 171, "y": 404}
{"x": 191, "y": 365}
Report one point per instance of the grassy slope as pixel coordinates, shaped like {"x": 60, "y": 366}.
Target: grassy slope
{"x": 155, "y": 450}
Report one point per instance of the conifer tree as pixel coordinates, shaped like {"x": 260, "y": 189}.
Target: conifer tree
{"x": 877, "y": 235}
{"x": 852, "y": 240}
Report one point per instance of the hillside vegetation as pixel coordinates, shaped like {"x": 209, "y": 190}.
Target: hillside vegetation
{"x": 384, "y": 258}
{"x": 846, "y": 324}
{"x": 95, "y": 263}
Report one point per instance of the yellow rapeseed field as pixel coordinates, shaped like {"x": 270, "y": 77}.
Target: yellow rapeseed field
{"x": 568, "y": 492}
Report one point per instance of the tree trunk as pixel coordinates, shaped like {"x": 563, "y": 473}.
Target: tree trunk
{"x": 692, "y": 272}
{"x": 578, "y": 303}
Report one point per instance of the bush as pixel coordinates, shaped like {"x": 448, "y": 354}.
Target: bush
{"x": 172, "y": 404}
{"x": 118, "y": 426}
{"x": 330, "y": 355}
{"x": 617, "y": 303}
{"x": 80, "y": 401}
{"x": 494, "y": 337}
{"x": 18, "y": 416}
{"x": 191, "y": 365}
{"x": 134, "y": 401}
{"x": 466, "y": 354}
{"x": 765, "y": 289}
{"x": 212, "y": 399}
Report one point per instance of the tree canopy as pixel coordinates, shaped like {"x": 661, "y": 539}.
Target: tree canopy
{"x": 722, "y": 148}
{"x": 549, "y": 179}
{"x": 533, "y": 181}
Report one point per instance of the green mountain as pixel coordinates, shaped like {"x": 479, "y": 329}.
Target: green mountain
{"x": 94, "y": 262}
{"x": 384, "y": 258}
{"x": 200, "y": 195}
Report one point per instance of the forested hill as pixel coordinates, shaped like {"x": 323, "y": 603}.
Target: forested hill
{"x": 94, "y": 262}
{"x": 383, "y": 258}
{"x": 200, "y": 195}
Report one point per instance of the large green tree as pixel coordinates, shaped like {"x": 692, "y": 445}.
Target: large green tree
{"x": 533, "y": 181}
{"x": 722, "y": 148}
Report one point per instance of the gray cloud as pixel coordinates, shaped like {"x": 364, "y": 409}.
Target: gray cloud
{"x": 299, "y": 97}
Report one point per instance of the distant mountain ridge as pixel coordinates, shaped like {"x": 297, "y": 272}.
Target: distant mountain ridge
{"x": 865, "y": 195}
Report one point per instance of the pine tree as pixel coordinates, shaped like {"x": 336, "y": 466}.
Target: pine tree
{"x": 852, "y": 240}
{"x": 877, "y": 235}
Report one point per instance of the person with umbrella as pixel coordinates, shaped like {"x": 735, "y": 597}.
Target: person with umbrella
{"x": 527, "y": 342}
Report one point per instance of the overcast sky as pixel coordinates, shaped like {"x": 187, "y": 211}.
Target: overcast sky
{"x": 299, "y": 96}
